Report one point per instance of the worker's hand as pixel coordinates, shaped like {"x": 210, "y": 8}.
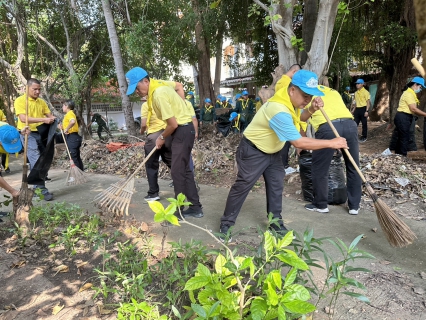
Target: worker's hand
{"x": 60, "y": 126}
{"x": 298, "y": 151}
{"x": 15, "y": 193}
{"x": 317, "y": 103}
{"x": 49, "y": 120}
{"x": 201, "y": 124}
{"x": 339, "y": 143}
{"x": 159, "y": 143}
{"x": 196, "y": 135}
{"x": 26, "y": 130}
{"x": 366, "y": 114}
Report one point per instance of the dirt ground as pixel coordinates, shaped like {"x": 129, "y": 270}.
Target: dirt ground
{"x": 31, "y": 289}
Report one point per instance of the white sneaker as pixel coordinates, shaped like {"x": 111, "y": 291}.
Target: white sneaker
{"x": 311, "y": 207}
{"x": 353, "y": 211}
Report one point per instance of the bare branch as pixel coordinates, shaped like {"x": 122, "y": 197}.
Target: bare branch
{"x": 262, "y": 5}
{"x": 93, "y": 63}
{"x": 68, "y": 38}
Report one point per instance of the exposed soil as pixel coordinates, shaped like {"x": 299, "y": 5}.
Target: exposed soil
{"x": 27, "y": 270}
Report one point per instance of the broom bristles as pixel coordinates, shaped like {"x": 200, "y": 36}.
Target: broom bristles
{"x": 397, "y": 232}
{"x": 116, "y": 199}
{"x": 75, "y": 176}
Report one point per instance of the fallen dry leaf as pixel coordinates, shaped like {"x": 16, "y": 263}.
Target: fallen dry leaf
{"x": 62, "y": 268}
{"x": 102, "y": 310}
{"x": 144, "y": 227}
{"x": 385, "y": 262}
{"x": 374, "y": 229}
{"x": 80, "y": 264}
{"x": 423, "y": 275}
{"x": 9, "y": 250}
{"x": 85, "y": 287}
{"x": 18, "y": 264}
{"x": 57, "y": 309}
{"x": 85, "y": 311}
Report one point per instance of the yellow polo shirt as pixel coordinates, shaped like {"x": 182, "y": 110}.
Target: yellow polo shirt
{"x": 154, "y": 124}
{"x": 68, "y": 117}
{"x": 283, "y": 82}
{"x": 361, "y": 97}
{"x": 190, "y": 108}
{"x": 36, "y": 109}
{"x": 260, "y": 133}
{"x": 2, "y": 116}
{"x": 408, "y": 97}
{"x": 334, "y": 107}
{"x": 167, "y": 104}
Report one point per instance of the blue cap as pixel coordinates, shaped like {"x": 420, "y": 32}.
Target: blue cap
{"x": 359, "y": 81}
{"x": 419, "y": 80}
{"x": 191, "y": 93}
{"x": 257, "y": 99}
{"x": 207, "y": 100}
{"x": 238, "y": 96}
{"x": 233, "y": 116}
{"x": 348, "y": 88}
{"x": 10, "y": 138}
{"x": 307, "y": 81}
{"x": 244, "y": 93}
{"x": 230, "y": 100}
{"x": 219, "y": 96}
{"x": 222, "y": 98}
{"x": 133, "y": 76}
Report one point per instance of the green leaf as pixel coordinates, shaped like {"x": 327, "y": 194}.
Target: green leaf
{"x": 298, "y": 292}
{"x": 271, "y": 294}
{"x": 159, "y": 217}
{"x": 301, "y": 307}
{"x": 199, "y": 310}
{"x": 358, "y": 296}
{"x": 203, "y": 270}
{"x": 275, "y": 276}
{"x": 219, "y": 266}
{"x": 281, "y": 313}
{"x": 290, "y": 277}
{"x": 258, "y": 308}
{"x": 196, "y": 282}
{"x": 172, "y": 219}
{"x": 171, "y": 209}
{"x": 352, "y": 269}
{"x": 355, "y": 242}
{"x": 271, "y": 314}
{"x": 156, "y": 206}
{"x": 213, "y": 308}
{"x": 269, "y": 243}
{"x": 215, "y": 4}
{"x": 293, "y": 260}
{"x": 176, "y": 312}
{"x": 247, "y": 262}
{"x": 286, "y": 240}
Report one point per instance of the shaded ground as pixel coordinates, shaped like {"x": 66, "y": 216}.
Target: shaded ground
{"x": 31, "y": 288}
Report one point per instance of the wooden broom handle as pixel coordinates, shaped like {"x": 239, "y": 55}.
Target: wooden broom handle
{"x": 418, "y": 66}
{"x": 345, "y": 150}
{"x": 26, "y": 125}
{"x": 66, "y": 145}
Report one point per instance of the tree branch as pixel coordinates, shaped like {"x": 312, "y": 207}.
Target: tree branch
{"x": 262, "y": 5}
{"x": 68, "y": 38}
{"x": 93, "y": 63}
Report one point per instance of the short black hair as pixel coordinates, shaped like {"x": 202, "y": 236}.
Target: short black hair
{"x": 295, "y": 66}
{"x": 70, "y": 104}
{"x": 32, "y": 81}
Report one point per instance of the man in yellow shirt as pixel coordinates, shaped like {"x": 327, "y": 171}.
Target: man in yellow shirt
{"x": 259, "y": 152}
{"x": 171, "y": 108}
{"x": 38, "y": 114}
{"x": 342, "y": 120}
{"x": 362, "y": 108}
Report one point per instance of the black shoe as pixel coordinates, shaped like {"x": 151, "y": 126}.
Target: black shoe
{"x": 192, "y": 212}
{"x": 7, "y": 170}
{"x": 153, "y": 197}
{"x": 363, "y": 139}
{"x": 225, "y": 233}
{"x": 47, "y": 179}
{"x": 279, "y": 229}
{"x": 171, "y": 185}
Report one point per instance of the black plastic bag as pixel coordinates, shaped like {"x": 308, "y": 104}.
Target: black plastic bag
{"x": 224, "y": 125}
{"x": 337, "y": 193}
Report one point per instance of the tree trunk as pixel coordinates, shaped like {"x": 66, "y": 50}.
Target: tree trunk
{"x": 420, "y": 9}
{"x": 205, "y": 80}
{"x": 381, "y": 102}
{"x": 310, "y": 14}
{"x": 118, "y": 61}
{"x": 218, "y": 69}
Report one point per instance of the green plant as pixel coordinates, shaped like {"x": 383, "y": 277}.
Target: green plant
{"x": 138, "y": 311}
{"x": 273, "y": 283}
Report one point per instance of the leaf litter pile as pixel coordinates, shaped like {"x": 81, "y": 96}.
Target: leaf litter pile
{"x": 398, "y": 180}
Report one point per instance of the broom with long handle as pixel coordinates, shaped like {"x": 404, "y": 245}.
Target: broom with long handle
{"x": 116, "y": 199}
{"x": 75, "y": 175}
{"x": 24, "y": 202}
{"x": 396, "y": 231}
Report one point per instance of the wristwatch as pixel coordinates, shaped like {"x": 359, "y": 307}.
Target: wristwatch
{"x": 161, "y": 137}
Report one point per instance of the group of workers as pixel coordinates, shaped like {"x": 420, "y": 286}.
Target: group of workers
{"x": 171, "y": 126}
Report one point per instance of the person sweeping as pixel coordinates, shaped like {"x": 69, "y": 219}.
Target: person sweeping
{"x": 70, "y": 127}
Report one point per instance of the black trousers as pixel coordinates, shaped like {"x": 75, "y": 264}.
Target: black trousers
{"x": 153, "y": 163}
{"x": 74, "y": 141}
{"x": 412, "y": 146}
{"x": 103, "y": 128}
{"x": 359, "y": 116}
{"x": 402, "y": 125}
{"x": 252, "y": 163}
{"x": 182, "y": 141}
{"x": 321, "y": 160}
{"x": 284, "y": 154}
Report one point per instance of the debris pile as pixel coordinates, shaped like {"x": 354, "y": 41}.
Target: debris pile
{"x": 395, "y": 175}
